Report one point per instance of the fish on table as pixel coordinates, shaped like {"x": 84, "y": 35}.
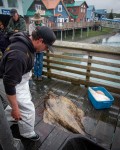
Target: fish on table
{"x": 61, "y": 111}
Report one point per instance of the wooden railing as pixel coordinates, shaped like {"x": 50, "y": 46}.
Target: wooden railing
{"x": 108, "y": 24}
{"x": 71, "y": 25}
{"x": 84, "y": 64}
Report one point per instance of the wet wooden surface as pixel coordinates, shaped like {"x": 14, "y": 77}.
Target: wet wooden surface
{"x": 103, "y": 126}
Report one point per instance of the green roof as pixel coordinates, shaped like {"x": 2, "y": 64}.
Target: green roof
{"x": 73, "y": 16}
{"x": 48, "y": 13}
{"x": 76, "y": 3}
{"x": 32, "y": 12}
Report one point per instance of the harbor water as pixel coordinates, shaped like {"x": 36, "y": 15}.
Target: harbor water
{"x": 112, "y": 40}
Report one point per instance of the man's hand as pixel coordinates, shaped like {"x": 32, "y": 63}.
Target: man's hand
{"x": 15, "y": 109}
{"x": 16, "y": 114}
{"x": 15, "y": 30}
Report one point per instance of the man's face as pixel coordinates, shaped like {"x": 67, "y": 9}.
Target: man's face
{"x": 37, "y": 22}
{"x": 15, "y": 17}
{"x": 1, "y": 26}
{"x": 40, "y": 45}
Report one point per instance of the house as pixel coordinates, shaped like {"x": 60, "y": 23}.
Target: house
{"x": 77, "y": 10}
{"x": 100, "y": 13}
{"x": 90, "y": 15}
{"x": 68, "y": 1}
{"x": 54, "y": 11}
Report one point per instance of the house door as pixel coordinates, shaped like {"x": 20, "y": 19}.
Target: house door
{"x": 60, "y": 22}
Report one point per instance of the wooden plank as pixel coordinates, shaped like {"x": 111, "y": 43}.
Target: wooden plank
{"x": 75, "y": 92}
{"x": 93, "y": 124}
{"x": 39, "y": 113}
{"x": 103, "y": 55}
{"x": 83, "y": 67}
{"x": 68, "y": 57}
{"x": 88, "y": 74}
{"x": 99, "y": 124}
{"x": 85, "y": 60}
{"x": 79, "y": 81}
{"x": 104, "y": 133}
{"x": 65, "y": 78}
{"x": 116, "y": 140}
{"x": 44, "y": 129}
{"x": 106, "y": 126}
{"x": 91, "y": 117}
{"x": 116, "y": 137}
{"x": 55, "y": 139}
{"x": 41, "y": 90}
{"x": 105, "y": 63}
{"x": 87, "y": 47}
{"x": 63, "y": 88}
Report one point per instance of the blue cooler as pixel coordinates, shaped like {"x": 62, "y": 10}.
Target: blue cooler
{"x": 100, "y": 104}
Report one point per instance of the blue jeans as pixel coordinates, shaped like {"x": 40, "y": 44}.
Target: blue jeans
{"x": 38, "y": 65}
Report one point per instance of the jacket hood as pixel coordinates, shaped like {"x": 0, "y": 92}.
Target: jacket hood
{"x": 22, "y": 37}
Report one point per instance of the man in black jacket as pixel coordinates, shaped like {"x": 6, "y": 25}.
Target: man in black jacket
{"x": 15, "y": 69}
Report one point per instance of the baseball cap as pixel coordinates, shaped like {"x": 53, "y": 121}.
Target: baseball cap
{"x": 13, "y": 11}
{"x": 48, "y": 36}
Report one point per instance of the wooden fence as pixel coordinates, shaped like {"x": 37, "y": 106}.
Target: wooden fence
{"x": 108, "y": 24}
{"x": 71, "y": 25}
{"x": 84, "y": 64}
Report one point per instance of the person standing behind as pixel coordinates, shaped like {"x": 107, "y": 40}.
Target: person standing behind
{"x": 35, "y": 21}
{"x": 15, "y": 69}
{"x": 4, "y": 40}
{"x": 2, "y": 28}
{"x": 38, "y": 64}
{"x": 16, "y": 23}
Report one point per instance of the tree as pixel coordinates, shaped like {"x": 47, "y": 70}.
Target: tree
{"x": 111, "y": 15}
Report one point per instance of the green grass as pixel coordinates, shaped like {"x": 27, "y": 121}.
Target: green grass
{"x": 91, "y": 33}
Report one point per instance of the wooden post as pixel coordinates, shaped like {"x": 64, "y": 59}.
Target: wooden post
{"x": 65, "y": 34}
{"x": 6, "y": 138}
{"x": 88, "y": 68}
{"x": 87, "y": 31}
{"x": 57, "y": 33}
{"x": 48, "y": 64}
{"x": 73, "y": 35}
{"x": 81, "y": 33}
{"x": 61, "y": 35}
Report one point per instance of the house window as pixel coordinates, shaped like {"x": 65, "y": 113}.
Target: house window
{"x": 59, "y": 8}
{"x": 12, "y": 3}
{"x": 1, "y": 3}
{"x": 37, "y": 7}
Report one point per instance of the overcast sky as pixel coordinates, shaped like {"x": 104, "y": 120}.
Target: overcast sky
{"x": 105, "y": 4}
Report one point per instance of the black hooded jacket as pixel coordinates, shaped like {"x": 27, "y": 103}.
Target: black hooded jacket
{"x": 18, "y": 59}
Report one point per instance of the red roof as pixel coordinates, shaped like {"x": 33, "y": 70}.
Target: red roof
{"x": 50, "y": 4}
